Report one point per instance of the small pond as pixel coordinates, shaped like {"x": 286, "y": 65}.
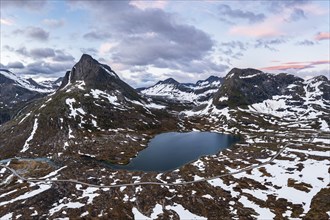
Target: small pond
{"x": 169, "y": 151}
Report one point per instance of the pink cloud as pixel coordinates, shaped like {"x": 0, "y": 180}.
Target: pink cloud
{"x": 322, "y": 36}
{"x": 287, "y": 67}
{"x": 268, "y": 28}
{"x": 6, "y": 22}
{"x": 296, "y": 65}
{"x": 255, "y": 31}
{"x": 320, "y": 62}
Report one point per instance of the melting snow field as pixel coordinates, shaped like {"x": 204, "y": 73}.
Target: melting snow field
{"x": 74, "y": 111}
{"x": 98, "y": 94}
{"x": 158, "y": 209}
{"x": 34, "y": 129}
{"x": 41, "y": 188}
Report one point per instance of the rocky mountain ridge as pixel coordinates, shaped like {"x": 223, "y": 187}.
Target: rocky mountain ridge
{"x": 92, "y": 102}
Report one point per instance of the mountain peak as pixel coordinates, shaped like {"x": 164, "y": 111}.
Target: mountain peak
{"x": 89, "y": 70}
{"x": 86, "y": 63}
{"x": 170, "y": 81}
{"x": 87, "y": 58}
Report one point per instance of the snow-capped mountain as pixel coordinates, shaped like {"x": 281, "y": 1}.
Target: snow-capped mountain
{"x": 16, "y": 92}
{"x": 91, "y": 100}
{"x": 274, "y": 99}
{"x": 184, "y": 92}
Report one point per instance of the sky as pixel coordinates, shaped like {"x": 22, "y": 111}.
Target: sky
{"x": 148, "y": 41}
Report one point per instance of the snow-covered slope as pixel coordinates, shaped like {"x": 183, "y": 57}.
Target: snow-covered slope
{"x": 52, "y": 84}
{"x": 185, "y": 92}
{"x": 26, "y": 84}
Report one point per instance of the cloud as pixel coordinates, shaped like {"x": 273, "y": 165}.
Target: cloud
{"x": 150, "y": 37}
{"x": 90, "y": 51}
{"x": 49, "y": 61}
{"x": 97, "y": 35}
{"x": 38, "y": 53}
{"x": 307, "y": 74}
{"x": 159, "y": 50}
{"x": 235, "y": 44}
{"x": 322, "y": 36}
{"x": 106, "y": 47}
{"x": 35, "y": 33}
{"x": 31, "y": 5}
{"x": 297, "y": 14}
{"x": 8, "y": 48}
{"x": 53, "y": 23}
{"x": 233, "y": 48}
{"x": 276, "y": 6}
{"x": 255, "y": 31}
{"x": 149, "y": 4}
{"x": 226, "y": 10}
{"x": 305, "y": 43}
{"x": 268, "y": 44}
{"x": 15, "y": 65}
{"x": 141, "y": 79}
{"x": 44, "y": 53}
{"x": 22, "y": 51}
{"x": 7, "y": 22}
{"x": 61, "y": 56}
{"x": 42, "y": 67}
{"x": 296, "y": 65}
{"x": 290, "y": 10}
{"x": 269, "y": 28}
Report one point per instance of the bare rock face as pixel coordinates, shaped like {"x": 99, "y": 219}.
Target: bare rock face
{"x": 91, "y": 71}
{"x": 97, "y": 75}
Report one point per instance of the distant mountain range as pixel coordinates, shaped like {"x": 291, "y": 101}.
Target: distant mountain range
{"x": 196, "y": 93}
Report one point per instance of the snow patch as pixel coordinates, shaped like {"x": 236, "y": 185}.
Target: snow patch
{"x": 26, "y": 144}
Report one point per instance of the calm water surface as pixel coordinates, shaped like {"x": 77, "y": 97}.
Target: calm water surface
{"x": 169, "y": 151}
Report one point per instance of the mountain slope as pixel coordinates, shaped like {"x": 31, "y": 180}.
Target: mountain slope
{"x": 92, "y": 103}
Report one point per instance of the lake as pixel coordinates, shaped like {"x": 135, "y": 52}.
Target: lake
{"x": 169, "y": 151}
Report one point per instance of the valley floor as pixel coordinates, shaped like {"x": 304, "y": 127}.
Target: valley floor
{"x": 269, "y": 174}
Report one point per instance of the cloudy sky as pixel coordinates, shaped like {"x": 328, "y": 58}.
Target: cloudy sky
{"x": 147, "y": 41}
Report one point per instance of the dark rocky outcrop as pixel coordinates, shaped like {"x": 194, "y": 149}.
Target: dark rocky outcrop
{"x": 247, "y": 86}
